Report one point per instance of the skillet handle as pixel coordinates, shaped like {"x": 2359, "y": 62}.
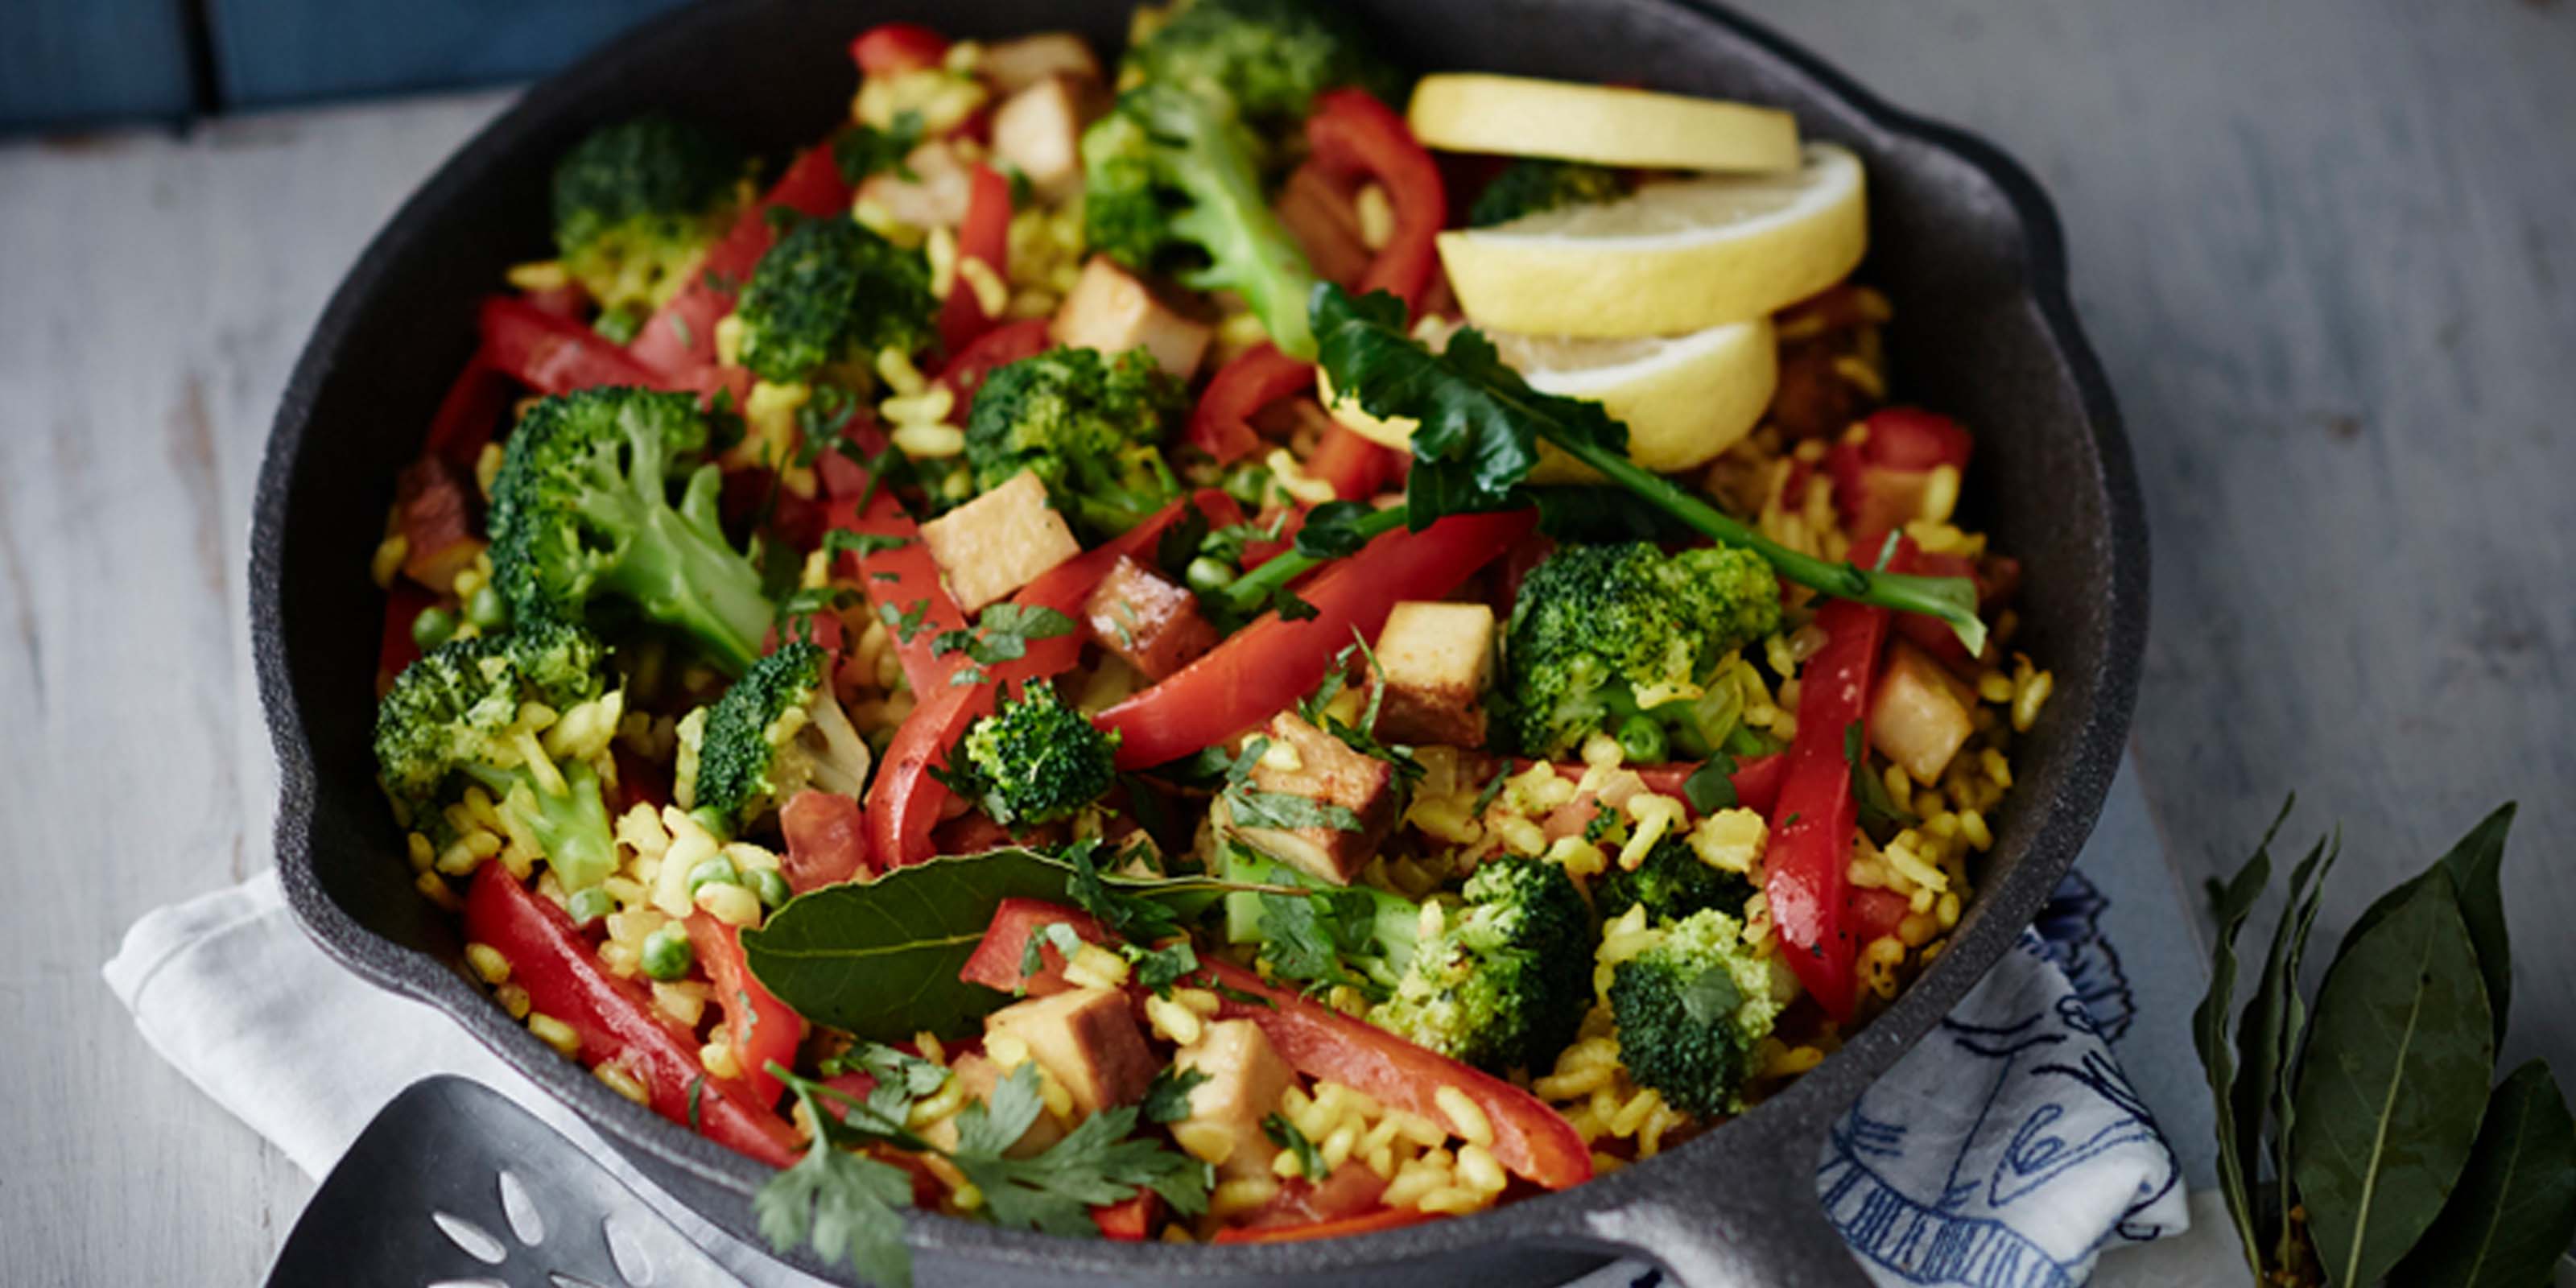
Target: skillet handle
{"x": 1751, "y": 1222}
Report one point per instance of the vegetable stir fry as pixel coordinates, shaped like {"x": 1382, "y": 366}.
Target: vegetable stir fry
{"x": 1089, "y": 656}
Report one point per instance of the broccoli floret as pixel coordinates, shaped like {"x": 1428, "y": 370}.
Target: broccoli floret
{"x": 1269, "y": 58}
{"x": 1673, "y": 883}
{"x": 453, "y": 718}
{"x": 1090, "y": 426}
{"x": 1171, "y": 185}
{"x": 831, "y": 292}
{"x": 1603, "y": 634}
{"x": 1532, "y": 185}
{"x": 581, "y": 511}
{"x": 1691, "y": 1009}
{"x": 637, "y": 203}
{"x": 1506, "y": 982}
{"x": 1036, "y": 760}
{"x": 777, "y": 731}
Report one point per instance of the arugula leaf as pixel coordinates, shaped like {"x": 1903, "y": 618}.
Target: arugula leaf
{"x": 1167, "y": 1097}
{"x": 1479, "y": 424}
{"x": 1098, "y": 1162}
{"x": 1711, "y": 787}
{"x": 1284, "y": 1134}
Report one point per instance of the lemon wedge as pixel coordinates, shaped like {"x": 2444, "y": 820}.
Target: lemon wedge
{"x": 1601, "y": 124}
{"x": 1684, "y": 399}
{"x": 1672, "y": 258}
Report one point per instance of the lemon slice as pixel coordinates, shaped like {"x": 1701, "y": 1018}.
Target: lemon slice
{"x": 1684, "y": 399}
{"x": 1518, "y": 116}
{"x": 1671, "y": 258}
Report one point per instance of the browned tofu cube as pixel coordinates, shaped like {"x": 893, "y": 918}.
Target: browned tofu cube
{"x": 934, "y": 196}
{"x": 1013, "y": 65}
{"x": 1110, "y": 310}
{"x": 1144, "y": 618}
{"x": 999, "y": 541}
{"x": 978, "y": 1077}
{"x": 1321, "y": 769}
{"x": 1085, "y": 1039}
{"x": 1039, "y": 129}
{"x": 1921, "y": 713}
{"x": 1437, "y": 659}
{"x": 1245, "y": 1081}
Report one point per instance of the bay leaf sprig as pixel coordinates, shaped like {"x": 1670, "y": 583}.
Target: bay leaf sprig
{"x": 2389, "y": 1157}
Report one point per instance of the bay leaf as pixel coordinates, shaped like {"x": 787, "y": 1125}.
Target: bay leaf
{"x": 879, "y": 958}
{"x": 2515, "y": 1210}
{"x": 2393, "y": 1084}
{"x": 2209, "y": 1037}
{"x": 2474, "y": 868}
{"x": 2267, "y": 1035}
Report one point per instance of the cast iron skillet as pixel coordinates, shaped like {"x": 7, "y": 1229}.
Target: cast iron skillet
{"x": 1961, "y": 239}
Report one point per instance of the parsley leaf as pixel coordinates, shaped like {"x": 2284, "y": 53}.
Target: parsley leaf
{"x": 1167, "y": 1097}
{"x": 907, "y": 621}
{"x": 841, "y": 541}
{"x": 863, "y": 150}
{"x": 1132, "y": 916}
{"x": 1099, "y": 1161}
{"x": 1869, "y": 791}
{"x": 1711, "y": 787}
{"x": 1003, "y": 632}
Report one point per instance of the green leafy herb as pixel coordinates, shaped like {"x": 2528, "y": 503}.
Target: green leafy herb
{"x": 2389, "y": 1095}
{"x": 1711, "y": 787}
{"x": 2515, "y": 1210}
{"x": 697, "y": 1089}
{"x": 2474, "y": 868}
{"x": 1869, "y": 791}
{"x": 1306, "y": 936}
{"x": 879, "y": 958}
{"x": 2269, "y": 1032}
{"x": 1286, "y": 812}
{"x": 907, "y": 621}
{"x": 1055, "y": 934}
{"x": 1097, "y": 1162}
{"x": 843, "y": 1204}
{"x": 1158, "y": 969}
{"x": 1233, "y": 994}
{"x": 1167, "y": 1097}
{"x": 841, "y": 541}
{"x": 1334, "y": 529}
{"x": 1493, "y": 788}
{"x": 2209, "y": 1037}
{"x": 1479, "y": 425}
{"x": 863, "y": 150}
{"x": 1284, "y": 1134}
{"x": 1002, "y": 633}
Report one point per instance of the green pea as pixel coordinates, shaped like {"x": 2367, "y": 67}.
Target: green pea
{"x": 432, "y": 627}
{"x": 1642, "y": 739}
{"x": 486, "y": 610}
{"x": 667, "y": 955}
{"x": 766, "y": 883}
{"x": 1208, "y": 575}
{"x": 716, "y": 871}
{"x": 587, "y": 906}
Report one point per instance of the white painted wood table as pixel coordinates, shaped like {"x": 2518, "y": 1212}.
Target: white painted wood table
{"x": 2325, "y": 247}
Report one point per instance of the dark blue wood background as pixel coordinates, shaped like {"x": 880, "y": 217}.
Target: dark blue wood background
{"x": 81, "y": 63}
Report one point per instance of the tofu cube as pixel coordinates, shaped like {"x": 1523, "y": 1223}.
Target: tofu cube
{"x": 1085, "y": 1039}
{"x": 999, "y": 541}
{"x": 1921, "y": 713}
{"x": 1438, "y": 659}
{"x": 1110, "y": 310}
{"x": 1010, "y": 66}
{"x": 1039, "y": 129}
{"x": 1245, "y": 1081}
{"x": 1142, "y": 617}
{"x": 978, "y": 1077}
{"x": 934, "y": 197}
{"x": 1320, "y": 768}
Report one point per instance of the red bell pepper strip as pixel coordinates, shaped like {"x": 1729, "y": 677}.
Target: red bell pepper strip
{"x": 984, "y": 235}
{"x": 1530, "y": 1139}
{"x": 762, "y": 1029}
{"x": 1876, "y": 914}
{"x": 827, "y": 840}
{"x": 681, "y": 335}
{"x": 1260, "y": 669}
{"x": 1354, "y": 135}
{"x": 893, "y": 48}
{"x": 469, "y": 413}
{"x": 902, "y": 585}
{"x": 555, "y": 355}
{"x": 1356, "y": 467}
{"x": 1384, "y": 1218}
{"x": 1811, "y": 839}
{"x": 1221, "y": 425}
{"x": 1128, "y": 1220}
{"x": 615, "y": 1018}
{"x": 999, "y": 347}
{"x": 395, "y": 649}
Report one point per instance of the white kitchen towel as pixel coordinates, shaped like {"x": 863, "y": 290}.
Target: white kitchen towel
{"x": 2006, "y": 1149}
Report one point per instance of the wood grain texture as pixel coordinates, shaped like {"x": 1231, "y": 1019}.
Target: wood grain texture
{"x": 2325, "y": 247}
